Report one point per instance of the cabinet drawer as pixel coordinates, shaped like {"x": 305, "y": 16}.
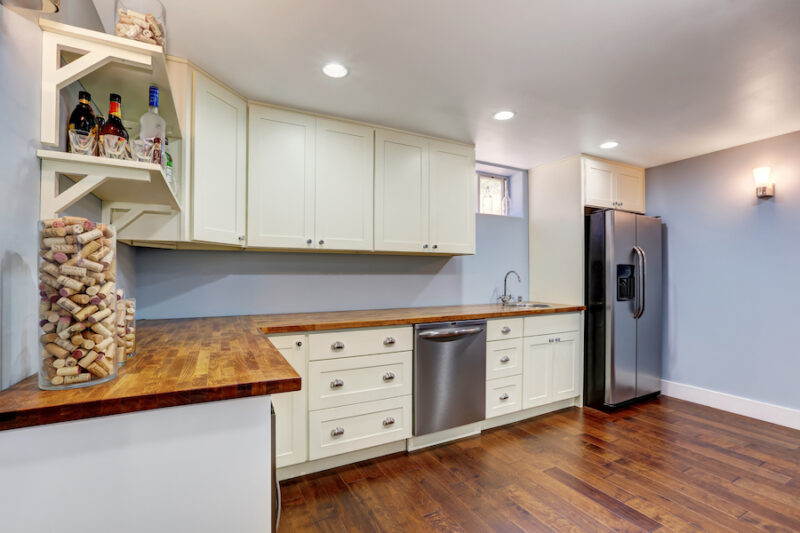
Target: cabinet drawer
{"x": 346, "y": 429}
{"x": 503, "y": 328}
{"x": 555, "y": 323}
{"x": 337, "y": 382}
{"x": 287, "y": 342}
{"x": 352, "y": 342}
{"x": 503, "y": 395}
{"x": 503, "y": 358}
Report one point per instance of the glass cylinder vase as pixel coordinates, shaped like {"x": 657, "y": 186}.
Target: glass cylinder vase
{"x": 77, "y": 307}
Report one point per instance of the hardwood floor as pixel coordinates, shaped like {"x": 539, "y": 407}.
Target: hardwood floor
{"x": 665, "y": 465}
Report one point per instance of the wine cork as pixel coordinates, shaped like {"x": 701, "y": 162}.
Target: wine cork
{"x": 69, "y": 305}
{"x": 105, "y": 343}
{"x": 70, "y": 361}
{"x": 56, "y": 350}
{"x": 81, "y": 299}
{"x": 87, "y": 344}
{"x": 79, "y": 378}
{"x": 54, "y": 231}
{"x": 65, "y": 344}
{"x": 64, "y": 248}
{"x": 84, "y": 238}
{"x": 68, "y": 371}
{"x": 50, "y": 268}
{"x": 101, "y": 329}
{"x": 99, "y": 315}
{"x": 84, "y": 313}
{"x": 90, "y": 248}
{"x": 48, "y": 242}
{"x": 47, "y": 338}
{"x": 69, "y": 270}
{"x": 98, "y": 370}
{"x": 92, "y": 291}
{"x": 88, "y": 359}
{"x": 57, "y": 380}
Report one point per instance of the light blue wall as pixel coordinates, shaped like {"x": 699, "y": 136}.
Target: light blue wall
{"x": 732, "y": 271}
{"x": 172, "y": 284}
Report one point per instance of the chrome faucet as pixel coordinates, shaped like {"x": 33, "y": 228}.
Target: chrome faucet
{"x": 506, "y": 298}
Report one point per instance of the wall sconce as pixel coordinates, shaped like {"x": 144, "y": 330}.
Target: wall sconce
{"x": 765, "y": 186}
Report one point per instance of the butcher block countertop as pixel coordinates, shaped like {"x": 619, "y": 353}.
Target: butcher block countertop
{"x": 296, "y": 322}
{"x": 196, "y": 360}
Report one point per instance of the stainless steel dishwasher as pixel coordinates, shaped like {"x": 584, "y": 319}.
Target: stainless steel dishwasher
{"x": 449, "y": 375}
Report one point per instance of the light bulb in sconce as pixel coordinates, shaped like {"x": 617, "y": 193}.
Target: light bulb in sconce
{"x": 765, "y": 186}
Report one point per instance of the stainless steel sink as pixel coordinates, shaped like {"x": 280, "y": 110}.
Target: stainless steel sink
{"x": 528, "y": 305}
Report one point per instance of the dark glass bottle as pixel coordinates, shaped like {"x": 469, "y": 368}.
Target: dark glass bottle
{"x": 114, "y": 136}
{"x": 100, "y": 122}
{"x": 82, "y": 127}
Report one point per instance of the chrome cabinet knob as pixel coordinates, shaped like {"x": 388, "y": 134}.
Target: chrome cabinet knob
{"x": 504, "y": 396}
{"x": 337, "y": 383}
{"x": 435, "y": 246}
{"x": 505, "y": 359}
{"x": 425, "y": 246}
{"x": 558, "y": 339}
{"x": 321, "y": 242}
{"x": 389, "y": 376}
{"x": 388, "y": 421}
{"x": 309, "y": 241}
{"x": 241, "y": 238}
{"x": 299, "y": 343}
{"x": 338, "y": 432}
{"x": 506, "y": 330}
{"x": 388, "y": 341}
{"x": 338, "y": 345}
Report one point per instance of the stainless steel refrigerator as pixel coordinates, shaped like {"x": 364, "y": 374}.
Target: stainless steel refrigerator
{"x": 623, "y": 308}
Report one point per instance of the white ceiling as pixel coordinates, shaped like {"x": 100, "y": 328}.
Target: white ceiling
{"x": 668, "y": 79}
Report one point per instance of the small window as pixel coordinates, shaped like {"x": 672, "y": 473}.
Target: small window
{"x": 493, "y": 195}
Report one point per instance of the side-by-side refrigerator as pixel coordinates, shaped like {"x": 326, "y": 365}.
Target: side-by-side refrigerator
{"x": 623, "y": 308}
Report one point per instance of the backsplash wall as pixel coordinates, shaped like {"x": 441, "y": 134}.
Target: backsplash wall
{"x": 177, "y": 284}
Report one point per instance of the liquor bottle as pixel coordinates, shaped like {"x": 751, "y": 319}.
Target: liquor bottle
{"x": 100, "y": 122}
{"x": 82, "y": 127}
{"x": 114, "y": 136}
{"x": 168, "y": 169}
{"x": 152, "y": 126}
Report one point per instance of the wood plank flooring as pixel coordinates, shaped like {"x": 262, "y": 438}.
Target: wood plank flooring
{"x": 663, "y": 465}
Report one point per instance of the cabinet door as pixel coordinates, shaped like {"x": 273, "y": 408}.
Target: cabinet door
{"x": 629, "y": 192}
{"x": 344, "y": 186}
{"x": 598, "y": 183}
{"x": 453, "y": 191}
{"x": 280, "y": 179}
{"x": 401, "y": 192}
{"x": 219, "y": 155}
{"x": 565, "y": 367}
{"x": 291, "y": 408}
{"x": 536, "y": 371}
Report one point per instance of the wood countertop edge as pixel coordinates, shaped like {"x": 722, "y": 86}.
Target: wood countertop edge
{"x": 407, "y": 320}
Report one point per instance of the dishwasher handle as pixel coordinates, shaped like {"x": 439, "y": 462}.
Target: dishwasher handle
{"x": 449, "y": 333}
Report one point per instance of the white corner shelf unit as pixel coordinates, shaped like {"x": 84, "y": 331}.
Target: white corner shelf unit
{"x": 103, "y": 64}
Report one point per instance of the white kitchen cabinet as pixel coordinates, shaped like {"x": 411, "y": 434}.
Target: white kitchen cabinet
{"x": 401, "y": 192}
{"x": 503, "y": 396}
{"x": 291, "y": 408}
{"x": 613, "y": 185}
{"x": 344, "y": 185}
{"x": 219, "y": 167}
{"x": 452, "y": 198}
{"x": 551, "y": 368}
{"x": 280, "y": 177}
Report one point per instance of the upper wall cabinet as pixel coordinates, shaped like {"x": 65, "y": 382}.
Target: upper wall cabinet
{"x": 343, "y": 185}
{"x": 613, "y": 185}
{"x": 280, "y": 210}
{"x": 424, "y": 195}
{"x": 219, "y": 184}
{"x": 453, "y": 197}
{"x": 401, "y": 192}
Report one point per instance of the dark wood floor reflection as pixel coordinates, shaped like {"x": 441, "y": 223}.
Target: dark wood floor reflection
{"x": 663, "y": 465}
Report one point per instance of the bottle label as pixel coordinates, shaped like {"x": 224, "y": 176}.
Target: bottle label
{"x": 114, "y": 147}
{"x": 153, "y": 96}
{"x": 114, "y": 109}
{"x": 82, "y": 142}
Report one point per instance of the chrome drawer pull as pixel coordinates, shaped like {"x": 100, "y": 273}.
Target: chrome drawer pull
{"x": 388, "y": 341}
{"x": 388, "y": 421}
{"x": 504, "y": 396}
{"x": 389, "y": 376}
{"x": 337, "y": 346}
{"x": 336, "y": 383}
{"x": 299, "y": 343}
{"x": 338, "y": 432}
{"x": 505, "y": 359}
{"x": 505, "y": 329}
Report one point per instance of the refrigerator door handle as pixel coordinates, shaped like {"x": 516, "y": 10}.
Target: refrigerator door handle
{"x": 640, "y": 294}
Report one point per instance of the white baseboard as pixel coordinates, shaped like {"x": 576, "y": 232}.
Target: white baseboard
{"x": 776, "y": 414}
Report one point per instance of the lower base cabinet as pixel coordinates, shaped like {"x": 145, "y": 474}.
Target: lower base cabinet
{"x": 550, "y": 368}
{"x": 353, "y": 427}
{"x": 291, "y": 408}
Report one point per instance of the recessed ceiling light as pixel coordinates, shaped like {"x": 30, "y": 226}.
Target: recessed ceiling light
{"x": 503, "y": 115}
{"x": 609, "y": 144}
{"x": 335, "y": 70}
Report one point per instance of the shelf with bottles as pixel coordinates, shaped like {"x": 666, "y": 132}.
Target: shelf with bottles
{"x": 111, "y": 180}
{"x": 103, "y": 64}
